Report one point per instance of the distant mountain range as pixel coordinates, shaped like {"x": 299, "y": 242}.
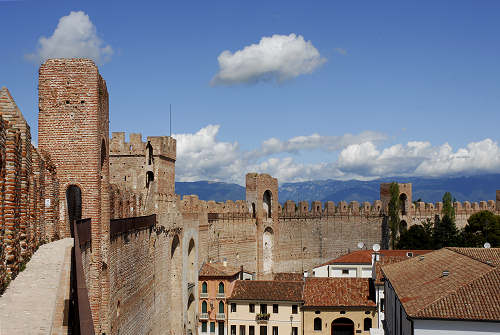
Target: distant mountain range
{"x": 473, "y": 188}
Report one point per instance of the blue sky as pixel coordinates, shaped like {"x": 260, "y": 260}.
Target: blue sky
{"x": 415, "y": 84}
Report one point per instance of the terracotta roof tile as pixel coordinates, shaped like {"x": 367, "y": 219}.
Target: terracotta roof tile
{"x": 288, "y": 276}
{"x": 365, "y": 256}
{"x": 267, "y": 290}
{"x": 470, "y": 291}
{"x": 217, "y": 270}
{"x": 341, "y": 292}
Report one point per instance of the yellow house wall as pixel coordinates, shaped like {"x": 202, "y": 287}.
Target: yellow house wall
{"x": 329, "y": 315}
{"x": 242, "y": 316}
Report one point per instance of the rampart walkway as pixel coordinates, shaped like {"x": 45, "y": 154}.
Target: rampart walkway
{"x": 34, "y": 302}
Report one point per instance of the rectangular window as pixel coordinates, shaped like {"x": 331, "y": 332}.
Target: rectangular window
{"x": 263, "y": 330}
{"x": 263, "y": 308}
{"x": 203, "y": 326}
{"x": 233, "y": 307}
{"x": 295, "y": 331}
{"x": 233, "y": 329}
{"x": 345, "y": 271}
{"x": 275, "y": 308}
{"x": 275, "y": 330}
{"x": 251, "y": 308}
{"x": 251, "y": 330}
{"x": 242, "y": 330}
{"x": 295, "y": 309}
{"x": 212, "y": 327}
{"x": 221, "y": 328}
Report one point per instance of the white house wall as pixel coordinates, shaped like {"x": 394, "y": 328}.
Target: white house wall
{"x": 440, "y": 327}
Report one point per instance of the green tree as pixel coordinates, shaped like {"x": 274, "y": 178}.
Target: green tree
{"x": 394, "y": 212}
{"x": 481, "y": 227}
{"x": 448, "y": 206}
{"x": 417, "y": 237}
{"x": 445, "y": 233}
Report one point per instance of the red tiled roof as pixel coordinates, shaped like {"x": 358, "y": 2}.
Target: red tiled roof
{"x": 337, "y": 292}
{"x": 288, "y": 276}
{"x": 365, "y": 256}
{"x": 267, "y": 290}
{"x": 385, "y": 259}
{"x": 471, "y": 290}
{"x": 489, "y": 256}
{"x": 217, "y": 270}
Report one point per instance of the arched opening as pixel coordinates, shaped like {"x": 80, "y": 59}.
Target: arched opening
{"x": 204, "y": 307}
{"x": 221, "y": 307}
{"x": 150, "y": 177}
{"x": 221, "y": 287}
{"x": 74, "y": 205}
{"x": 318, "y": 324}
{"x": 403, "y": 226}
{"x": 267, "y": 201}
{"x": 104, "y": 153}
{"x": 204, "y": 287}
{"x": 367, "y": 324}
{"x": 267, "y": 252}
{"x": 403, "y": 202}
{"x": 253, "y": 210}
{"x": 149, "y": 151}
{"x": 175, "y": 244}
{"x": 342, "y": 326}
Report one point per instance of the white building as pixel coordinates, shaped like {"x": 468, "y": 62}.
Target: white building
{"x": 452, "y": 291}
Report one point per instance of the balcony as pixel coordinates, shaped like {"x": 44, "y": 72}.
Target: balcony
{"x": 203, "y": 316}
{"x": 220, "y": 316}
{"x": 262, "y": 317}
{"x": 204, "y": 295}
{"x": 221, "y": 295}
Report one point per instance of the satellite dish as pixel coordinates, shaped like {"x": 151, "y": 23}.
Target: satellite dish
{"x": 361, "y": 245}
{"x": 376, "y": 247}
{"x": 487, "y": 245}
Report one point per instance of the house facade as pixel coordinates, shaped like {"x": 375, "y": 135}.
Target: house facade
{"x": 215, "y": 283}
{"x": 339, "y": 306}
{"x": 265, "y": 308}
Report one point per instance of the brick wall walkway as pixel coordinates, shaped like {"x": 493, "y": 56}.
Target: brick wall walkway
{"x": 34, "y": 301}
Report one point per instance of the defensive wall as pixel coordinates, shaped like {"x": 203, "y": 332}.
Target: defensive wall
{"x": 297, "y": 236}
{"x": 28, "y": 192}
{"x": 139, "y": 278}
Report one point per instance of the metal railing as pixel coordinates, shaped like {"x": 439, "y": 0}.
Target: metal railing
{"x": 221, "y": 295}
{"x": 204, "y": 295}
{"x": 126, "y": 225}
{"x": 220, "y": 316}
{"x": 81, "y": 314}
{"x": 203, "y": 316}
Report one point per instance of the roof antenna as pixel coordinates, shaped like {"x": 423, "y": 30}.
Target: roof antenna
{"x": 170, "y": 120}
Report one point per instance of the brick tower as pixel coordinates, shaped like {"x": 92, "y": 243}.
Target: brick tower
{"x": 262, "y": 200}
{"x": 73, "y": 127}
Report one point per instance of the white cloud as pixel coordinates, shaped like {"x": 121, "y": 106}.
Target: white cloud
{"x": 74, "y": 37}
{"x": 200, "y": 156}
{"x": 279, "y": 57}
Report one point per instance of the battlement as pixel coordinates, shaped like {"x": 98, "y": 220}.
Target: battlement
{"x": 159, "y": 145}
{"x": 329, "y": 208}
